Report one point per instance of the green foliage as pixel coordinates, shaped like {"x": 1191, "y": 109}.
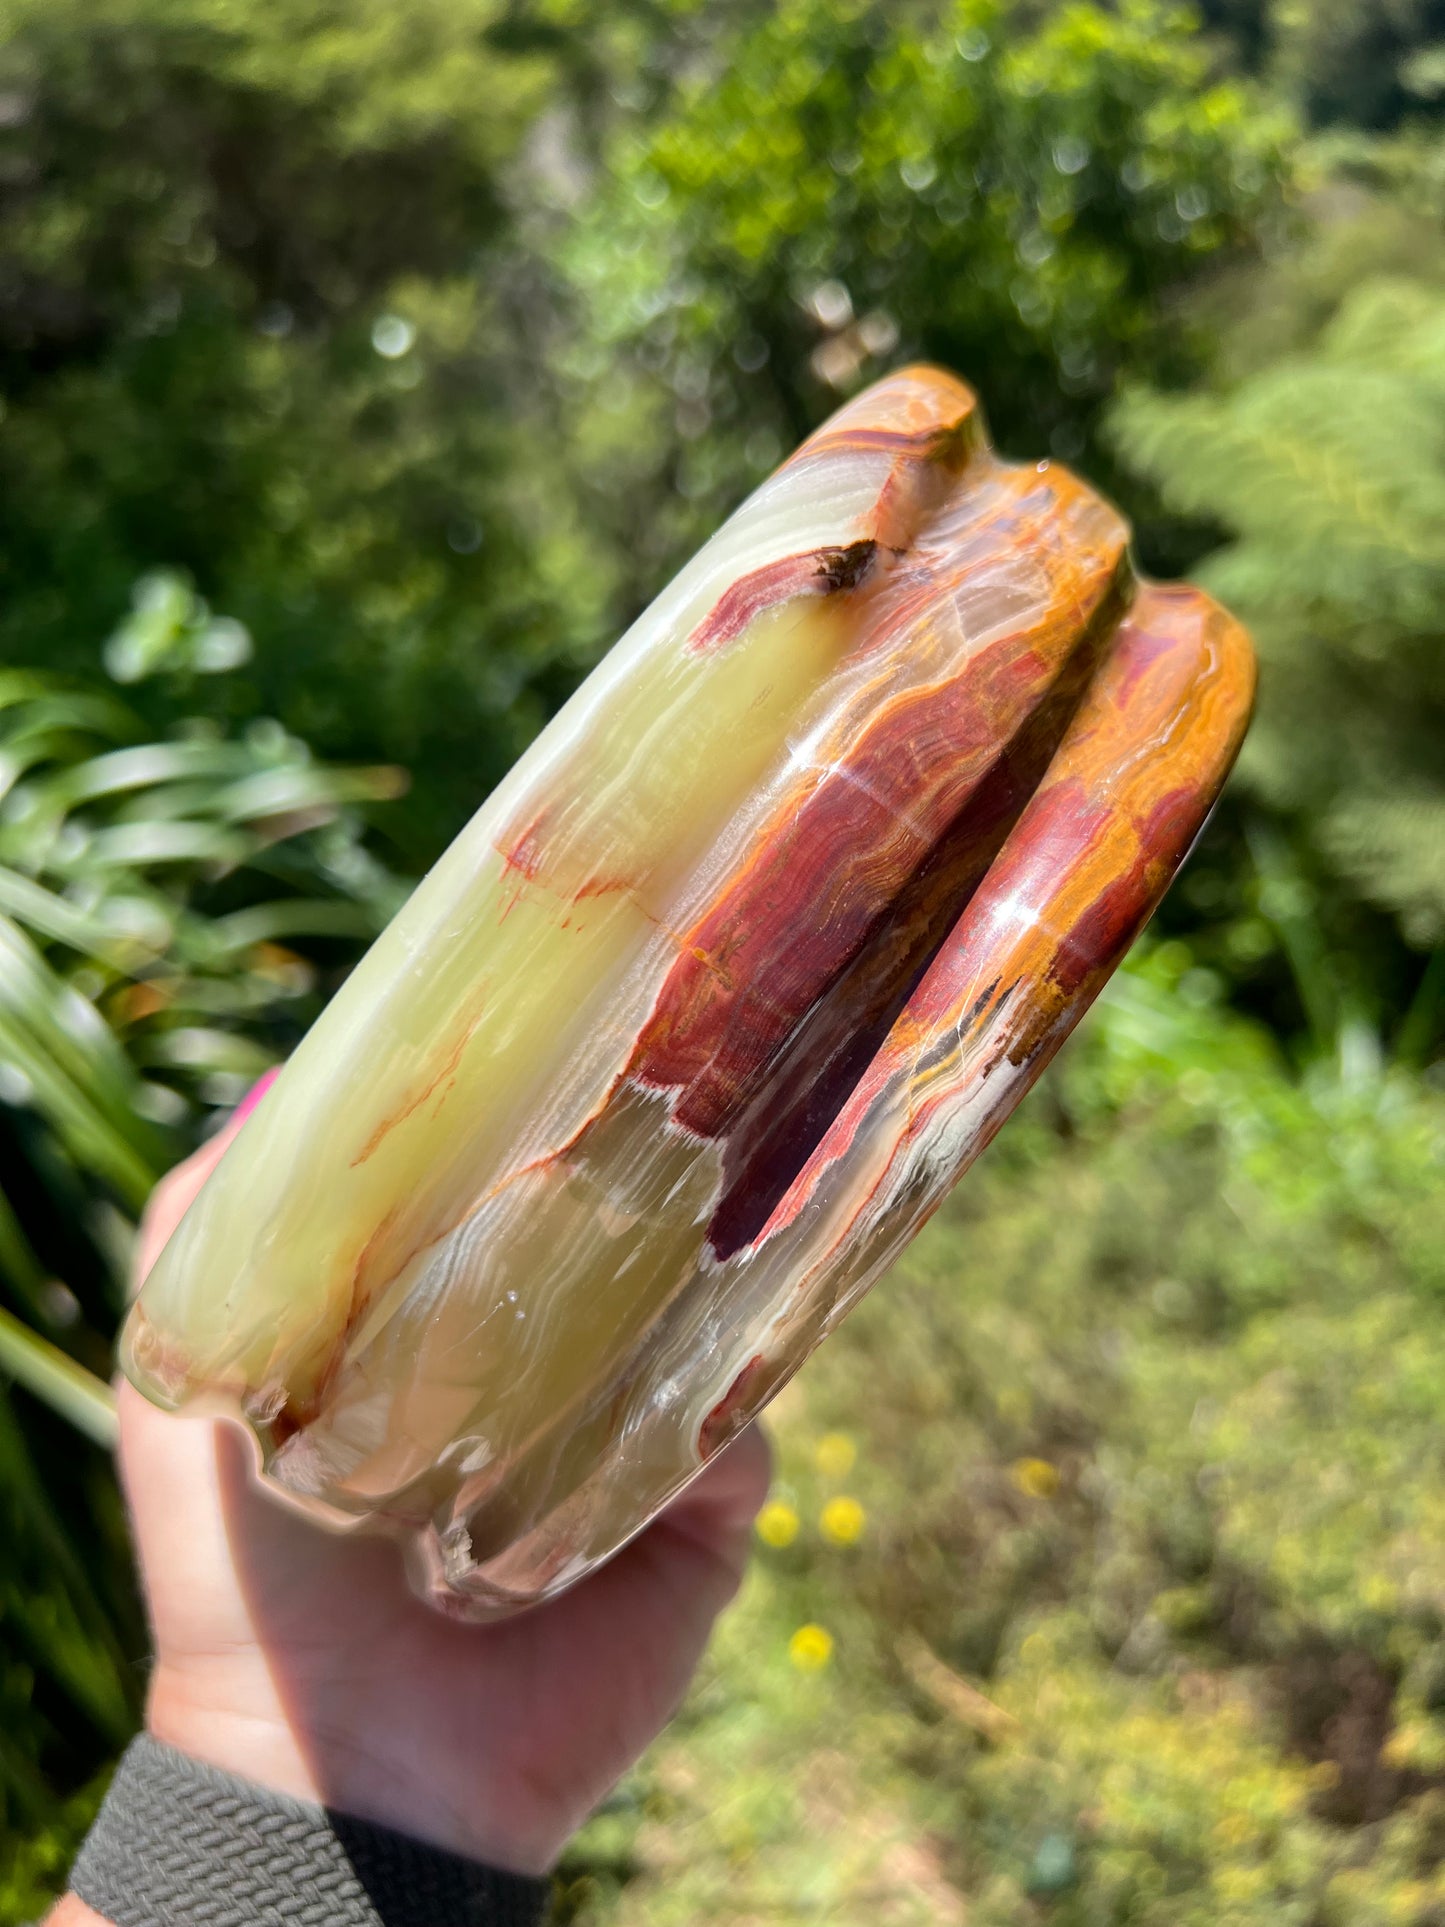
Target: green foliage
{"x": 425, "y": 343}
{"x": 243, "y": 331}
{"x": 837, "y": 189}
{"x": 1144, "y": 1621}
{"x": 1365, "y": 66}
{"x": 1371, "y": 66}
{"x": 335, "y": 310}
{"x": 171, "y": 915}
{"x": 1326, "y": 465}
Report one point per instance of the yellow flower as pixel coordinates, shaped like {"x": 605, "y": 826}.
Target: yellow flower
{"x": 842, "y": 1520}
{"x": 1325, "y": 1775}
{"x": 835, "y": 1455}
{"x": 1036, "y": 1478}
{"x": 777, "y": 1523}
{"x": 810, "y": 1648}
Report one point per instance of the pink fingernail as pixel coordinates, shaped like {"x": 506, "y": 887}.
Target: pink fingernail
{"x": 253, "y": 1097}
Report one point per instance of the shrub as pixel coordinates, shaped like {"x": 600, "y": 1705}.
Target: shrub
{"x": 171, "y": 915}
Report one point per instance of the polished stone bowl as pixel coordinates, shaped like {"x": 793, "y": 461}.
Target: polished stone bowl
{"x": 709, "y": 1006}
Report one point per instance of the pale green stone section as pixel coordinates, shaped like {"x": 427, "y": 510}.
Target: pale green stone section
{"x": 489, "y": 1023}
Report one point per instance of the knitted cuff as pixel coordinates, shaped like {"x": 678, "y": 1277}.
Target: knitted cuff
{"x": 178, "y": 1843}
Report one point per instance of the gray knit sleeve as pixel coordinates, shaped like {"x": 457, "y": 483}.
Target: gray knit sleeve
{"x": 178, "y": 1843}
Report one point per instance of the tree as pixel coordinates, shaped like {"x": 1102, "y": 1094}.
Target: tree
{"x": 260, "y": 320}
{"x": 837, "y": 188}
{"x": 334, "y": 309}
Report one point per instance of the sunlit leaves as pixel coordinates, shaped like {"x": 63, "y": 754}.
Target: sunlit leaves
{"x": 170, "y": 915}
{"x": 1008, "y": 193}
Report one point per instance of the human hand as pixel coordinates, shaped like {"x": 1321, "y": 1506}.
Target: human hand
{"x": 302, "y": 1660}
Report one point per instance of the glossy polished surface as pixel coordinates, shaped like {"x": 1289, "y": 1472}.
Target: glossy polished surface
{"x": 708, "y": 1007}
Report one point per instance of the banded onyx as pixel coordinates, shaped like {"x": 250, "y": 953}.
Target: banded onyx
{"x": 709, "y": 1006}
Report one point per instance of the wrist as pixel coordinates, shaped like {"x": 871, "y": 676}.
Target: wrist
{"x": 71, "y": 1911}
{"x": 243, "y": 1725}
{"x": 237, "y": 1730}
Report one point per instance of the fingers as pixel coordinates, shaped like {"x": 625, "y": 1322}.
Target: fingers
{"x": 717, "y": 1510}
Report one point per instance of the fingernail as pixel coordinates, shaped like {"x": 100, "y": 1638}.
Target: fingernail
{"x": 253, "y": 1097}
